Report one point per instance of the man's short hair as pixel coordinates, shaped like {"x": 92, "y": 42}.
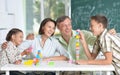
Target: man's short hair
{"x": 61, "y": 19}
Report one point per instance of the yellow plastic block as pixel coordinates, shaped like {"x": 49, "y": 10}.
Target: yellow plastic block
{"x": 28, "y": 62}
{"x": 77, "y": 44}
{"x": 40, "y": 55}
{"x": 77, "y": 36}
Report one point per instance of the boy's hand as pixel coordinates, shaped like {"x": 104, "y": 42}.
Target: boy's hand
{"x": 82, "y": 62}
{"x": 82, "y": 38}
{"x": 30, "y": 36}
{"x": 4, "y": 45}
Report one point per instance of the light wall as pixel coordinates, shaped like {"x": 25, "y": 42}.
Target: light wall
{"x": 11, "y": 15}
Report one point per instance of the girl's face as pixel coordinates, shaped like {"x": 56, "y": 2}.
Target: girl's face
{"x": 49, "y": 28}
{"x": 17, "y": 38}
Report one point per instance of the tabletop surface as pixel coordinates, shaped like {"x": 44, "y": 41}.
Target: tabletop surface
{"x": 57, "y": 66}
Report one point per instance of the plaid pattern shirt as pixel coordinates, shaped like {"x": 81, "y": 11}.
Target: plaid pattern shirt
{"x": 10, "y": 55}
{"x": 109, "y": 43}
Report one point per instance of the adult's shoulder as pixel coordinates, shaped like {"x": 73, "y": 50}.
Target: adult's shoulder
{"x": 57, "y": 35}
{"x": 86, "y": 32}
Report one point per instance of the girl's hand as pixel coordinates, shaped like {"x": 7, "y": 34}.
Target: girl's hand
{"x": 18, "y": 62}
{"x": 25, "y": 52}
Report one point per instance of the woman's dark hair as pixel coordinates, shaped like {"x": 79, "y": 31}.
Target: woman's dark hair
{"x": 12, "y": 32}
{"x": 41, "y": 31}
{"x": 100, "y": 19}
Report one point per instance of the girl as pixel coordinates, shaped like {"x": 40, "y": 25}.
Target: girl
{"x": 11, "y": 54}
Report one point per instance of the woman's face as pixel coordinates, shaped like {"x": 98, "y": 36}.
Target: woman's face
{"x": 49, "y": 28}
{"x": 18, "y": 38}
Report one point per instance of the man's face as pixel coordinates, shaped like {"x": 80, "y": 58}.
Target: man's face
{"x": 95, "y": 27}
{"x": 65, "y": 27}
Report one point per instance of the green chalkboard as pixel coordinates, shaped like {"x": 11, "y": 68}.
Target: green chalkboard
{"x": 81, "y": 10}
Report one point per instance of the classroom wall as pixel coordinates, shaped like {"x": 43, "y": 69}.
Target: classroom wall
{"x": 81, "y": 10}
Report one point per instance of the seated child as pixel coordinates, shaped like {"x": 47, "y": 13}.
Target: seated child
{"x": 11, "y": 54}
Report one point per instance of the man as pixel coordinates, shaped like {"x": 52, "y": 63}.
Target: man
{"x": 67, "y": 38}
{"x": 106, "y": 43}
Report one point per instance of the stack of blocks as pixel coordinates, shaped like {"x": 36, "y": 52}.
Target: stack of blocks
{"x": 77, "y": 44}
{"x": 36, "y": 60}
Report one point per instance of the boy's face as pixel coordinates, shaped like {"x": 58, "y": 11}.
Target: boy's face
{"x": 95, "y": 27}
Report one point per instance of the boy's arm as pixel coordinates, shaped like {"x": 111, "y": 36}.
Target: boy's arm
{"x": 86, "y": 49}
{"x": 89, "y": 37}
{"x": 106, "y": 61}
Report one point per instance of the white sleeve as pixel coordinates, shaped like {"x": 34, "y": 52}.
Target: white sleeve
{"x": 25, "y": 44}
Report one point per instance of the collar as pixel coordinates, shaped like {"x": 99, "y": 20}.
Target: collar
{"x": 40, "y": 37}
{"x": 11, "y": 43}
{"x": 63, "y": 41}
{"x": 103, "y": 34}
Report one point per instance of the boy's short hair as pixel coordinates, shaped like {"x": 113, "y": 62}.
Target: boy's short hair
{"x": 100, "y": 19}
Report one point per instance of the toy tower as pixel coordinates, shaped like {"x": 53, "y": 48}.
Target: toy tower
{"x": 77, "y": 44}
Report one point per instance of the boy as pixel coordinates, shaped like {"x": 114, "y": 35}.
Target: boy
{"x": 104, "y": 42}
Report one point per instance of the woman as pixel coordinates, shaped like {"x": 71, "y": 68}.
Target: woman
{"x": 45, "y": 42}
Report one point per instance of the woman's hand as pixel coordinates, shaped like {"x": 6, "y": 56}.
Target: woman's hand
{"x": 4, "y": 45}
{"x": 47, "y": 59}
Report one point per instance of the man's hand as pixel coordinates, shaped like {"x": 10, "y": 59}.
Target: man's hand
{"x": 4, "y": 45}
{"x": 30, "y": 36}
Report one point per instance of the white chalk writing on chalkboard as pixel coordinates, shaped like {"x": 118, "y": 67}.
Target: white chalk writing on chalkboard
{"x": 81, "y": 10}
